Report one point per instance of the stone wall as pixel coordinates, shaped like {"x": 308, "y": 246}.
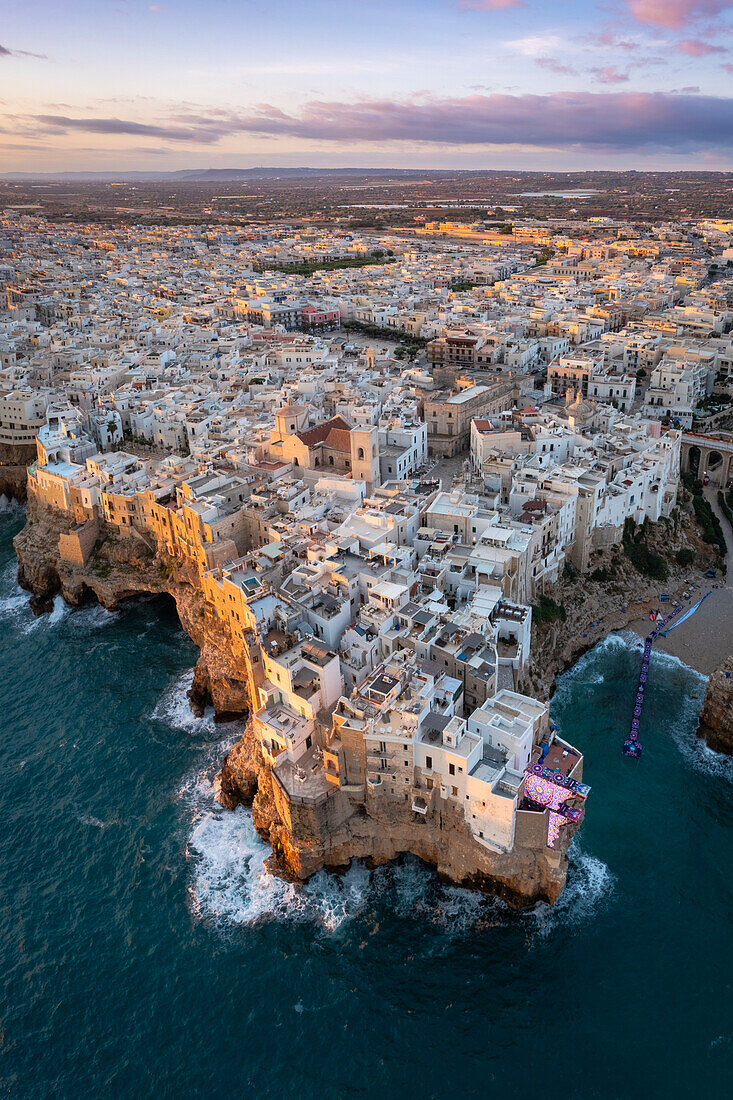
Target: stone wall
{"x": 76, "y": 545}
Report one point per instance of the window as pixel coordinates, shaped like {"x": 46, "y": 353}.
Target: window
{"x": 429, "y": 762}
{"x": 308, "y": 741}
{"x": 452, "y": 769}
{"x": 455, "y": 791}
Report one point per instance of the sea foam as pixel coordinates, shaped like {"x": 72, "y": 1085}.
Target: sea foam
{"x": 230, "y": 885}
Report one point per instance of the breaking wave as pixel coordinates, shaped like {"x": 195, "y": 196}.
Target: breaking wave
{"x": 37, "y": 622}
{"x": 589, "y": 884}
{"x": 10, "y": 507}
{"x": 172, "y": 709}
{"x": 230, "y": 885}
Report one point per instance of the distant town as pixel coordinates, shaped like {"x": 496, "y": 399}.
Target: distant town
{"x": 364, "y": 460}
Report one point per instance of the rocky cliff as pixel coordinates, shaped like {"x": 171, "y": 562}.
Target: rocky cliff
{"x": 306, "y": 838}
{"x": 609, "y": 596}
{"x": 124, "y": 569}
{"x": 14, "y": 462}
{"x": 716, "y": 717}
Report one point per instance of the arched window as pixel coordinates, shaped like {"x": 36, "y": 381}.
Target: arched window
{"x": 360, "y": 453}
{"x": 296, "y": 462}
{"x": 330, "y": 460}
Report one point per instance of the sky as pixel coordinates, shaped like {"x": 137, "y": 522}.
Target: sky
{"x": 112, "y": 85}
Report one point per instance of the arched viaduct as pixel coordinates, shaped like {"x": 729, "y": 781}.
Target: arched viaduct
{"x": 708, "y": 454}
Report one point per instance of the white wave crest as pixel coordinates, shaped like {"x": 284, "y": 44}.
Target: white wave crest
{"x": 173, "y": 708}
{"x": 10, "y": 507}
{"x": 230, "y": 884}
{"x": 695, "y": 751}
{"x": 590, "y": 882}
{"x": 94, "y": 617}
{"x": 12, "y": 606}
{"x": 60, "y": 610}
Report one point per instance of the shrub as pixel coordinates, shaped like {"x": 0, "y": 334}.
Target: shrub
{"x": 724, "y": 508}
{"x": 547, "y": 610}
{"x": 685, "y": 556}
{"x": 712, "y": 532}
{"x": 647, "y": 561}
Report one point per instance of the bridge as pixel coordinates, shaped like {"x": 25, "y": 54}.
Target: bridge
{"x": 711, "y": 454}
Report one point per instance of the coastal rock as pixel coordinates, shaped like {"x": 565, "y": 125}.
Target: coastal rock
{"x": 14, "y": 462}
{"x": 120, "y": 570}
{"x": 716, "y": 717}
{"x": 307, "y": 838}
{"x": 304, "y": 837}
{"x": 608, "y": 597}
{"x": 238, "y": 780}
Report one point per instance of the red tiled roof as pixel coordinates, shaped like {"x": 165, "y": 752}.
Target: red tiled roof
{"x": 335, "y": 433}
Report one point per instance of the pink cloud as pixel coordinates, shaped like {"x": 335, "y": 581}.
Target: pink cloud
{"x": 554, "y": 66}
{"x": 608, "y": 38}
{"x": 675, "y": 13}
{"x": 696, "y": 48}
{"x": 609, "y": 74}
{"x": 490, "y": 5}
{"x": 608, "y": 120}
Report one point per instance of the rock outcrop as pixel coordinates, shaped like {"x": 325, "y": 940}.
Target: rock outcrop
{"x": 716, "y": 717}
{"x": 306, "y": 838}
{"x": 124, "y": 569}
{"x": 606, "y": 598}
{"x": 14, "y": 462}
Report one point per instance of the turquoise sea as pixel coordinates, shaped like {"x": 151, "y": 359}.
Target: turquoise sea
{"x": 146, "y": 954}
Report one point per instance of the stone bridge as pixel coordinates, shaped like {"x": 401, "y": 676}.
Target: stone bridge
{"x": 711, "y": 454}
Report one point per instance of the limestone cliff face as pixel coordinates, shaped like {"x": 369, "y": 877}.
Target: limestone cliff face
{"x": 716, "y": 717}
{"x": 123, "y": 569}
{"x": 14, "y": 462}
{"x": 306, "y": 838}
